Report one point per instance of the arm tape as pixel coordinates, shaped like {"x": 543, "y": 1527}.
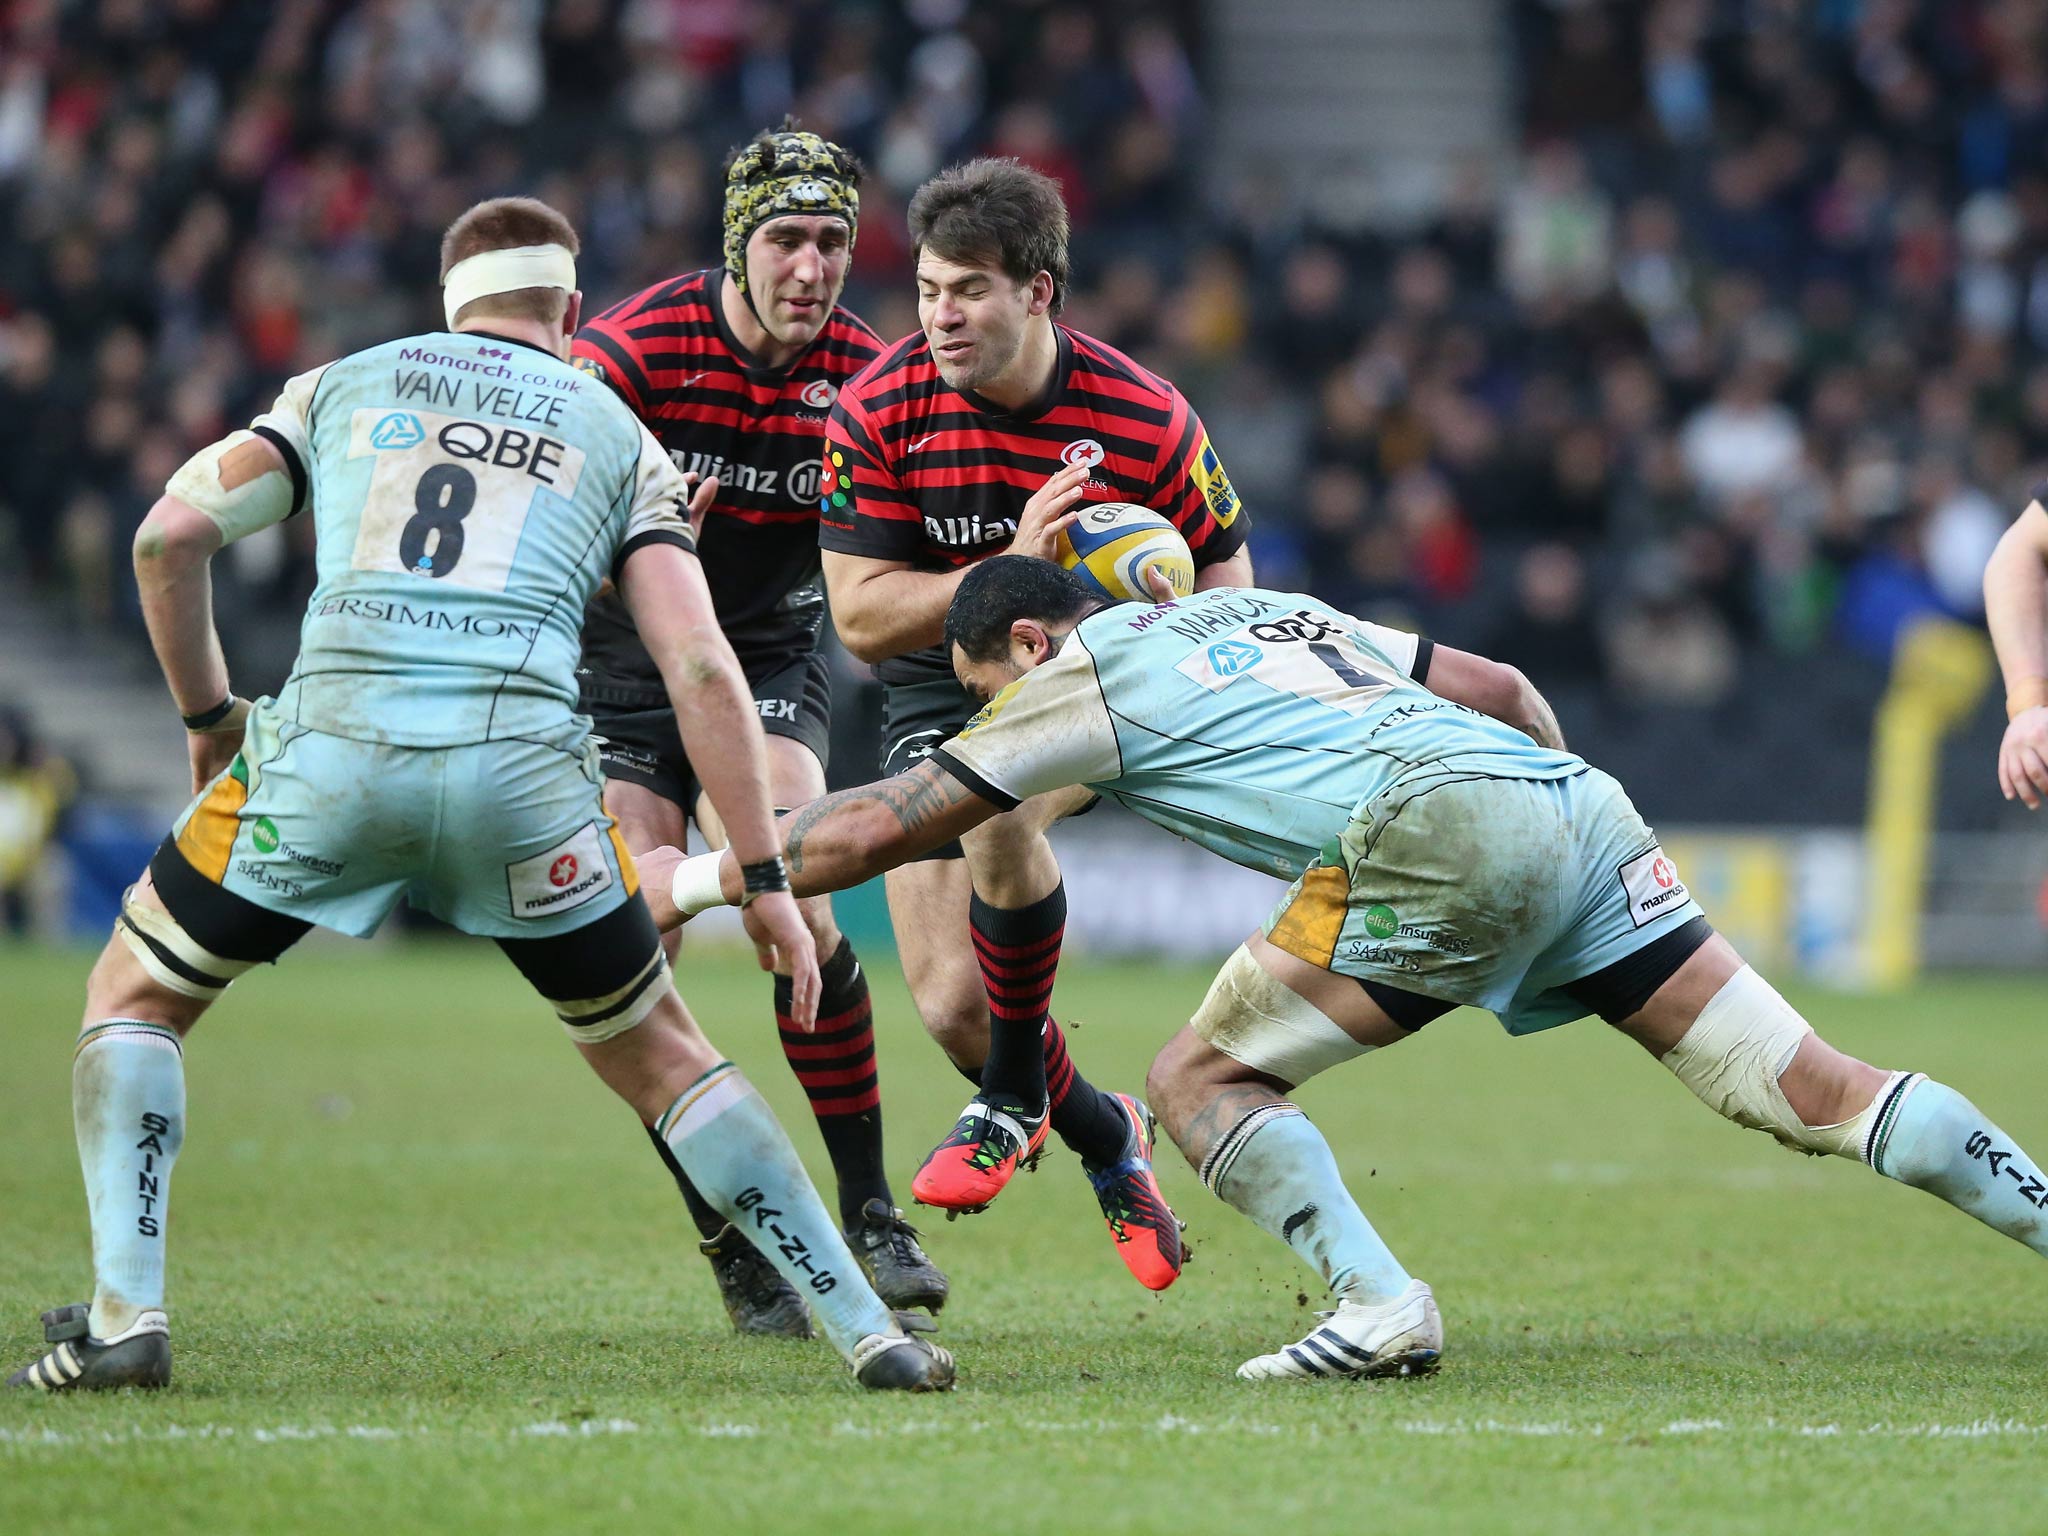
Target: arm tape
{"x": 695, "y": 886}
{"x": 216, "y": 482}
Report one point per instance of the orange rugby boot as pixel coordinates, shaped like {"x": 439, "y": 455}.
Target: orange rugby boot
{"x": 1147, "y": 1232}
{"x": 970, "y": 1167}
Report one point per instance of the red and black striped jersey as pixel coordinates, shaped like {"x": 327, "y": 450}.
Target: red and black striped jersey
{"x": 920, "y": 472}
{"x": 670, "y": 355}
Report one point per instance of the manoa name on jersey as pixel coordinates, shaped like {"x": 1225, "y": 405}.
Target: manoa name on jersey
{"x": 1251, "y": 722}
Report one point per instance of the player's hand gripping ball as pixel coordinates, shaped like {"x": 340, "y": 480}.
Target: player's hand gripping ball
{"x": 1112, "y": 544}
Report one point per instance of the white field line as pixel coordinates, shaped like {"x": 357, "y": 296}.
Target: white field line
{"x": 24, "y": 1439}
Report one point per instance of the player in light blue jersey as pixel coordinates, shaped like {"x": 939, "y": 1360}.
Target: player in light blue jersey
{"x": 1444, "y": 849}
{"x": 469, "y": 491}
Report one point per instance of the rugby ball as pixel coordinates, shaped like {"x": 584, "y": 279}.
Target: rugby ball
{"x": 1111, "y": 545}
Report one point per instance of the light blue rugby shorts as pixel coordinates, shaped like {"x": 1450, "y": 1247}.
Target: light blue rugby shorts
{"x": 504, "y": 839}
{"x": 1491, "y": 892}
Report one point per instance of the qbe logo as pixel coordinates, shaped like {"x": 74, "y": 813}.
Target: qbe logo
{"x": 807, "y": 480}
{"x": 819, "y": 394}
{"x": 1082, "y": 453}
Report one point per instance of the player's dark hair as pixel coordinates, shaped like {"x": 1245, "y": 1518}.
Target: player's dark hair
{"x": 999, "y": 211}
{"x": 996, "y": 593}
{"x": 505, "y": 224}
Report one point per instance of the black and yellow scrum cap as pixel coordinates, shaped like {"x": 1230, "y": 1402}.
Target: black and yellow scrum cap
{"x": 786, "y": 170}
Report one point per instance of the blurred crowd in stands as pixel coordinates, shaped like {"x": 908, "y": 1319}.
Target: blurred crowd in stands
{"x": 1741, "y": 350}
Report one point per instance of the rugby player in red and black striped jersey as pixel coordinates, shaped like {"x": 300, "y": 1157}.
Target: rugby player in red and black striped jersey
{"x": 733, "y": 369}
{"x": 983, "y": 435}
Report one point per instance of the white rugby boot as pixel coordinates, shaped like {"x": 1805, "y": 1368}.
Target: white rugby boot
{"x": 1402, "y": 1337}
{"x": 901, "y": 1361}
{"x": 138, "y": 1357}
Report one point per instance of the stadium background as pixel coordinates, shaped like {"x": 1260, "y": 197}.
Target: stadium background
{"x": 1687, "y": 353}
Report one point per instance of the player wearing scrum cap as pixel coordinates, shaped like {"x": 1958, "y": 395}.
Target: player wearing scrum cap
{"x": 469, "y": 491}
{"x": 984, "y": 434}
{"x": 2016, "y": 607}
{"x": 732, "y": 369}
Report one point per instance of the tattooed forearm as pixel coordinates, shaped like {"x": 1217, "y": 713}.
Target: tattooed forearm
{"x": 914, "y": 800}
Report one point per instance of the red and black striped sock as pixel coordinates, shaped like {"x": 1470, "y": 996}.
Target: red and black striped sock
{"x": 1018, "y": 950}
{"x": 1083, "y": 1116}
{"x": 1019, "y": 953}
{"x": 836, "y": 1065}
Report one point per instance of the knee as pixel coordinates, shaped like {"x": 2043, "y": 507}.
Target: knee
{"x": 959, "y": 1025}
{"x": 1751, "y": 1058}
{"x": 1011, "y": 864}
{"x": 1826, "y": 1087}
{"x": 817, "y": 916}
{"x": 1166, "y": 1079}
{"x": 1187, "y": 1076}
{"x": 119, "y": 988}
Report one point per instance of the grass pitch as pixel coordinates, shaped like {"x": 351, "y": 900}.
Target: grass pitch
{"x": 426, "y": 1275}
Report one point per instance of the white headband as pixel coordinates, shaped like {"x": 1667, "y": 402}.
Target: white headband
{"x": 488, "y": 272}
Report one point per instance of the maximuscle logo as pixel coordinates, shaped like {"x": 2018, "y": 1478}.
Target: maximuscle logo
{"x": 560, "y": 878}
{"x": 1651, "y": 884}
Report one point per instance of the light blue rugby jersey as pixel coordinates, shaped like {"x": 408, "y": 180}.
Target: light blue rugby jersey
{"x": 469, "y": 492}
{"x": 1251, "y": 722}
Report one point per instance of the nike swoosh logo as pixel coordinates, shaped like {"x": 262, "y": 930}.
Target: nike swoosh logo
{"x": 920, "y": 442}
{"x": 693, "y": 378}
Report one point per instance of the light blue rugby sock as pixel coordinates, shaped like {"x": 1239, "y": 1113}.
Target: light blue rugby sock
{"x": 128, "y": 1108}
{"x": 1275, "y": 1167}
{"x": 729, "y": 1143}
{"x": 1931, "y": 1137}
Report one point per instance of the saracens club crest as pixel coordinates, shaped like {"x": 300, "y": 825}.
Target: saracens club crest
{"x": 1082, "y": 453}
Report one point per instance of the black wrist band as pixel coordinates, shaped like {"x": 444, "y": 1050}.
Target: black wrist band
{"x": 763, "y": 877}
{"x": 210, "y": 717}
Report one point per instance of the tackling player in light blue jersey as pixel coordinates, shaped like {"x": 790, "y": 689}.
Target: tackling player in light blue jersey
{"x": 1444, "y": 848}
{"x": 469, "y": 491}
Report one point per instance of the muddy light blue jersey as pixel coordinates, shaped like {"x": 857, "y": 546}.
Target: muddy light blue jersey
{"x": 1251, "y": 722}
{"x": 469, "y": 493}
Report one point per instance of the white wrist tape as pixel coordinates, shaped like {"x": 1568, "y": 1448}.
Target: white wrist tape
{"x": 696, "y": 886}
{"x": 488, "y": 272}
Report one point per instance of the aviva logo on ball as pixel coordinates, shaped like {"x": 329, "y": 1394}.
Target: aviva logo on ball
{"x": 1112, "y": 544}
